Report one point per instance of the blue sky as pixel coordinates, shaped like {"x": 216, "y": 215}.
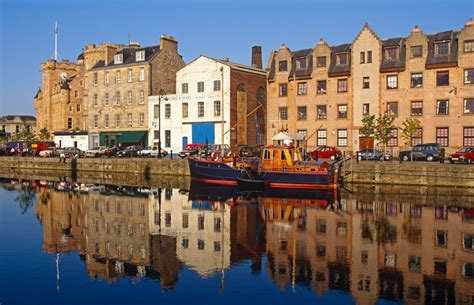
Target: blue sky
{"x": 215, "y": 28}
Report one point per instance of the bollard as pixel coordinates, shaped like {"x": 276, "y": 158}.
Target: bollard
{"x": 400, "y": 157}
{"x": 441, "y": 157}
{"x": 317, "y": 155}
{"x": 171, "y": 154}
{"x": 357, "y": 157}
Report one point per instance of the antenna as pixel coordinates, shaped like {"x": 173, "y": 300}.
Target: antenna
{"x": 128, "y": 38}
{"x": 56, "y": 41}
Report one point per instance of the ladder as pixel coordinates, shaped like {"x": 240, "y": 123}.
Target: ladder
{"x": 248, "y": 173}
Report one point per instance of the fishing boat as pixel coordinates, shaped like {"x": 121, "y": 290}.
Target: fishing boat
{"x": 279, "y": 167}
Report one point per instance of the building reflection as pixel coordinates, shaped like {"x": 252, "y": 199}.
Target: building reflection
{"x": 366, "y": 246}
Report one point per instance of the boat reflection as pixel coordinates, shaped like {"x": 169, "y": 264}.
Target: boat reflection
{"x": 364, "y": 248}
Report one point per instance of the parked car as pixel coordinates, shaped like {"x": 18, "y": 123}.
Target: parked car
{"x": 191, "y": 150}
{"x": 96, "y": 152}
{"x": 111, "y": 151}
{"x": 464, "y": 155}
{"x": 130, "y": 151}
{"x": 372, "y": 154}
{"x": 326, "y": 152}
{"x": 71, "y": 152}
{"x": 151, "y": 151}
{"x": 428, "y": 152}
{"x": 49, "y": 152}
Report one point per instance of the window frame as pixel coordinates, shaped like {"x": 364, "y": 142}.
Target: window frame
{"x": 282, "y": 65}
{"x": 281, "y": 111}
{"x": 440, "y": 78}
{"x": 167, "y": 111}
{"x": 184, "y": 106}
{"x": 466, "y": 75}
{"x": 200, "y": 111}
{"x": 468, "y": 140}
{"x": 389, "y": 108}
{"x": 283, "y": 90}
{"x": 321, "y": 92}
{"x": 416, "y": 103}
{"x": 302, "y": 113}
{"x": 345, "y": 113}
{"x": 390, "y": 82}
{"x": 442, "y": 139}
{"x": 217, "y": 108}
{"x": 342, "y": 85}
{"x": 200, "y": 87}
{"x": 468, "y": 46}
{"x": 366, "y": 82}
{"x": 321, "y": 61}
{"x": 321, "y": 139}
{"x": 412, "y": 54}
{"x": 302, "y": 88}
{"x": 437, "y": 107}
{"x": 412, "y": 75}
{"x": 318, "y": 116}
{"x": 342, "y": 139}
{"x": 465, "y": 103}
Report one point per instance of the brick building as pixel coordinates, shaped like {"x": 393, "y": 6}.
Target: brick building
{"x": 327, "y": 90}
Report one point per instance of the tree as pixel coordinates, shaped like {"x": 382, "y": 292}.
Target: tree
{"x": 368, "y": 128}
{"x": 26, "y": 135}
{"x": 383, "y": 129}
{"x": 44, "y": 134}
{"x": 410, "y": 127}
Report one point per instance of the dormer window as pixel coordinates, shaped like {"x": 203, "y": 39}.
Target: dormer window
{"x": 140, "y": 55}
{"x": 341, "y": 58}
{"x": 441, "y": 48}
{"x": 283, "y": 65}
{"x": 391, "y": 53}
{"x": 118, "y": 59}
{"x": 301, "y": 63}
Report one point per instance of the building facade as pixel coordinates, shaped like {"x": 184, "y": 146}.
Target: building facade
{"x": 117, "y": 87}
{"x": 323, "y": 93}
{"x": 13, "y": 124}
{"x": 217, "y": 101}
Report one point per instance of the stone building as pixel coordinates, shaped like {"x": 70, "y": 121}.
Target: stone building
{"x": 13, "y": 124}
{"x": 215, "y": 102}
{"x": 117, "y": 86}
{"x": 323, "y": 93}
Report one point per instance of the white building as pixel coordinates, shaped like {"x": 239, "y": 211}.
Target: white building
{"x": 78, "y": 139}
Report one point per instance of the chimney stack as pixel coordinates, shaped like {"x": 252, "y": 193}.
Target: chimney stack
{"x": 168, "y": 43}
{"x": 257, "y": 57}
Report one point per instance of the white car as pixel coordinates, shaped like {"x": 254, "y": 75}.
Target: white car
{"x": 96, "y": 152}
{"x": 151, "y": 151}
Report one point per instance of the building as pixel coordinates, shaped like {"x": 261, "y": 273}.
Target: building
{"x": 78, "y": 139}
{"x": 323, "y": 93}
{"x": 216, "y": 101}
{"x": 13, "y": 124}
{"x": 117, "y": 86}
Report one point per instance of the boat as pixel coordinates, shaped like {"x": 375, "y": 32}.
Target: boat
{"x": 279, "y": 167}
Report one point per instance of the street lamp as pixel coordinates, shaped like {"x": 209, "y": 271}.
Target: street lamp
{"x": 161, "y": 95}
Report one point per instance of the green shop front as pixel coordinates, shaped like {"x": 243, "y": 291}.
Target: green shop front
{"x": 123, "y": 138}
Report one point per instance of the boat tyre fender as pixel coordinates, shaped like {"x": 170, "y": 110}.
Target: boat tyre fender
{"x": 214, "y": 156}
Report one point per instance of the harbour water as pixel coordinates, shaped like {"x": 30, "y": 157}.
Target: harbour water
{"x": 76, "y": 243}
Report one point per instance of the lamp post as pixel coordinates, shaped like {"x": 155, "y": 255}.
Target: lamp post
{"x": 161, "y": 95}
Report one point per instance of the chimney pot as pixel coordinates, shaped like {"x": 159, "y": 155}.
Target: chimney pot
{"x": 257, "y": 57}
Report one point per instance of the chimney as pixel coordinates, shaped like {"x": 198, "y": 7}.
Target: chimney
{"x": 134, "y": 44}
{"x": 257, "y": 57}
{"x": 109, "y": 54}
{"x": 168, "y": 43}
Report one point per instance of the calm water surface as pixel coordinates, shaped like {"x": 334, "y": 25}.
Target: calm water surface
{"x": 65, "y": 243}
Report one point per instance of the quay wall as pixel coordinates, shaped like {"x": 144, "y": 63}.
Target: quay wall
{"x": 149, "y": 169}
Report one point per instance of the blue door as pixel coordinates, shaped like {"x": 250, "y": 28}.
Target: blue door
{"x": 203, "y": 133}
{"x": 185, "y": 142}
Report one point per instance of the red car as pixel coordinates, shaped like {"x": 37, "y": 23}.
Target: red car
{"x": 326, "y": 152}
{"x": 464, "y": 155}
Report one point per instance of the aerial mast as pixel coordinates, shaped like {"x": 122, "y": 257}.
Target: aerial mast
{"x": 56, "y": 41}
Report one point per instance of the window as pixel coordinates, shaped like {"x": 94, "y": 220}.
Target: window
{"x": 217, "y": 108}
{"x": 365, "y": 109}
{"x": 342, "y": 111}
{"x": 414, "y": 264}
{"x": 341, "y": 59}
{"x": 303, "y": 133}
{"x": 362, "y": 57}
{"x": 129, "y": 120}
{"x": 142, "y": 97}
{"x": 321, "y": 87}
{"x": 69, "y": 123}
{"x": 301, "y": 112}
{"x": 468, "y": 136}
{"x": 129, "y": 75}
{"x": 300, "y": 63}
{"x": 129, "y": 98}
{"x": 200, "y": 109}
{"x": 441, "y": 238}
{"x": 141, "y": 119}
{"x": 117, "y": 98}
{"x": 392, "y": 81}
{"x": 78, "y": 107}
{"x": 117, "y": 77}
{"x": 200, "y": 87}
{"x": 118, "y": 59}
{"x": 106, "y": 120}
{"x": 106, "y": 78}
{"x": 141, "y": 75}
{"x": 468, "y": 270}
{"x": 369, "y": 57}
{"x": 468, "y": 241}
{"x": 95, "y": 98}
{"x": 95, "y": 79}
{"x": 96, "y": 121}
{"x": 217, "y": 85}
{"x": 217, "y": 246}
{"x": 321, "y": 137}
{"x": 469, "y": 76}
{"x": 417, "y": 80}
{"x": 184, "y": 88}
{"x": 167, "y": 138}
{"x": 392, "y": 109}
{"x": 321, "y": 226}
{"x": 416, "y": 51}
{"x": 321, "y": 61}
{"x": 200, "y": 222}
{"x": 442, "y": 136}
{"x": 342, "y": 137}
{"x": 184, "y": 110}
{"x": 342, "y": 85}
{"x": 391, "y": 53}
{"x": 117, "y": 120}
{"x": 106, "y": 99}
{"x": 417, "y": 137}
{"x": 283, "y": 113}
{"x": 283, "y": 90}
{"x": 217, "y": 224}
{"x": 393, "y": 138}
{"x": 167, "y": 111}
{"x": 302, "y": 88}
{"x": 282, "y": 65}
{"x": 321, "y": 112}
{"x": 440, "y": 267}
{"x": 366, "y": 82}
{"x": 442, "y": 107}
{"x": 468, "y": 46}
{"x": 442, "y": 78}
{"x": 441, "y": 48}
{"x": 140, "y": 55}
{"x": 469, "y": 106}
{"x": 416, "y": 108}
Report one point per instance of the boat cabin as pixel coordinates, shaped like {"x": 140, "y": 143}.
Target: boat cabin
{"x": 288, "y": 158}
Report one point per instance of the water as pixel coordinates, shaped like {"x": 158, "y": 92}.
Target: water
{"x": 65, "y": 243}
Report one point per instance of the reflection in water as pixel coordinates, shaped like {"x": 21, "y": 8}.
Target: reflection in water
{"x": 369, "y": 249}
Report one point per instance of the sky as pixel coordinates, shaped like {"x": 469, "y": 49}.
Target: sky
{"x": 225, "y": 28}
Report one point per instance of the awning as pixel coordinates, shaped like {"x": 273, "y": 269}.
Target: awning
{"x": 282, "y": 136}
{"x": 127, "y": 137}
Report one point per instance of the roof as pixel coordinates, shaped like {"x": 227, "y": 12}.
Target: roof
{"x": 393, "y": 65}
{"x": 337, "y": 69}
{"x": 22, "y": 117}
{"x": 306, "y": 54}
{"x": 70, "y": 133}
{"x": 448, "y": 60}
{"x": 237, "y": 66}
{"x": 129, "y": 57}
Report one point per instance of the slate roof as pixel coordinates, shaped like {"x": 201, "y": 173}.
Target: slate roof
{"x": 449, "y": 60}
{"x": 340, "y": 70}
{"x": 129, "y": 57}
{"x": 271, "y": 73}
{"x": 22, "y": 117}
{"x": 394, "y": 65}
{"x": 301, "y": 73}
{"x": 38, "y": 93}
{"x": 238, "y": 66}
